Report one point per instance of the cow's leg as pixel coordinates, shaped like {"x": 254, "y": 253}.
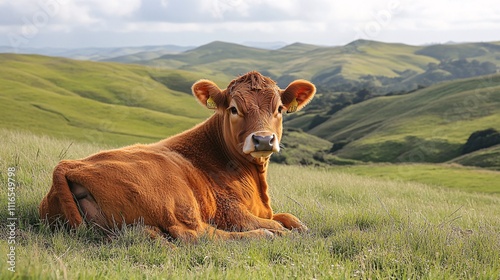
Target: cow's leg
{"x": 244, "y": 220}
{"x": 87, "y": 205}
{"x": 186, "y": 234}
{"x": 290, "y": 221}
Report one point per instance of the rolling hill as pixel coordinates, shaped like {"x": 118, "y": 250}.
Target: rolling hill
{"x": 429, "y": 125}
{"x": 384, "y": 67}
{"x": 101, "y": 54}
{"x": 99, "y": 102}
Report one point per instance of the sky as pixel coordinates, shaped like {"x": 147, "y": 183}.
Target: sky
{"x": 118, "y": 23}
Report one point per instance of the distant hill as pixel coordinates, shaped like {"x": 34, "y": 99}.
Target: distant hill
{"x": 380, "y": 67}
{"x": 429, "y": 125}
{"x": 113, "y": 54}
{"x": 487, "y": 158}
{"x": 362, "y": 64}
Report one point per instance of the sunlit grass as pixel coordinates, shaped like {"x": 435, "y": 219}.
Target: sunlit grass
{"x": 360, "y": 227}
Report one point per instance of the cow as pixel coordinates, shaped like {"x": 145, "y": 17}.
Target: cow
{"x": 207, "y": 181}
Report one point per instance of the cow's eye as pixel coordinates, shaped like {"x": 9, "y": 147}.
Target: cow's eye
{"x": 233, "y": 110}
{"x": 280, "y": 108}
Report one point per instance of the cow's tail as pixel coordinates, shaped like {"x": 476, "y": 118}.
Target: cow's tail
{"x": 59, "y": 203}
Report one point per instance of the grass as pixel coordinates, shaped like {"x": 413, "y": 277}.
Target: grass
{"x": 455, "y": 176}
{"x": 360, "y": 227}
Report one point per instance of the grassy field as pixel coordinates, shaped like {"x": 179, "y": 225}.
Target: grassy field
{"x": 455, "y": 176}
{"x": 360, "y": 228}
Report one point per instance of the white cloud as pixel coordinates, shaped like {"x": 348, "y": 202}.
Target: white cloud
{"x": 319, "y": 21}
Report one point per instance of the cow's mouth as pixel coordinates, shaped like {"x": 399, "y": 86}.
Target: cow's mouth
{"x": 261, "y": 144}
{"x": 261, "y": 154}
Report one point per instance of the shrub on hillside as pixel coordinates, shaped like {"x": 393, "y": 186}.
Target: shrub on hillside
{"x": 338, "y": 146}
{"x": 481, "y": 139}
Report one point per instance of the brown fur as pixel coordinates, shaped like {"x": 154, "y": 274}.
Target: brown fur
{"x": 202, "y": 181}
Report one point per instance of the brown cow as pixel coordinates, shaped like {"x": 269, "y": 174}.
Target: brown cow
{"x": 209, "y": 180}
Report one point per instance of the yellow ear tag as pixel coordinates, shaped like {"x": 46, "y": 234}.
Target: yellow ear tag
{"x": 211, "y": 103}
{"x": 293, "y": 106}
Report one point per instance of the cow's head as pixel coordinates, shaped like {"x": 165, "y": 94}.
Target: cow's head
{"x": 252, "y": 107}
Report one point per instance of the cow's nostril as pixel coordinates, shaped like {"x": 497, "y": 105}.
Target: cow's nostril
{"x": 263, "y": 143}
{"x": 255, "y": 140}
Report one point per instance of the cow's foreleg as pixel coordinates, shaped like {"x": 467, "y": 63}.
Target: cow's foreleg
{"x": 290, "y": 221}
{"x": 210, "y": 232}
{"x": 242, "y": 219}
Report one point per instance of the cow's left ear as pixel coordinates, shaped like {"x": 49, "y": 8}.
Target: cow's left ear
{"x": 297, "y": 95}
{"x": 208, "y": 94}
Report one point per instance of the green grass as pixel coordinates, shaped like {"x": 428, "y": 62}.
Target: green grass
{"x": 360, "y": 227}
{"x": 447, "y": 175}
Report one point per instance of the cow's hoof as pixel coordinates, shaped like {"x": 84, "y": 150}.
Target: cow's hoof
{"x": 277, "y": 232}
{"x": 302, "y": 228}
{"x": 268, "y": 233}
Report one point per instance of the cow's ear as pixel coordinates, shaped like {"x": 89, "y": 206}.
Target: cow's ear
{"x": 297, "y": 95}
{"x": 208, "y": 94}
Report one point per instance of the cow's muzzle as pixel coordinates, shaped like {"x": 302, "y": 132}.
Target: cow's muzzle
{"x": 261, "y": 144}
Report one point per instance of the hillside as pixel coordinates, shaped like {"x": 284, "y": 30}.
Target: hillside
{"x": 102, "y": 54}
{"x": 97, "y": 102}
{"x": 430, "y": 125}
{"x": 487, "y": 158}
{"x": 382, "y": 67}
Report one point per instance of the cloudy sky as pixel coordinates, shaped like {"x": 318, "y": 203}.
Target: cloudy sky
{"x": 109, "y": 23}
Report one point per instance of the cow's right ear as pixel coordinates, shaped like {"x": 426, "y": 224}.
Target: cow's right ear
{"x": 208, "y": 94}
{"x": 297, "y": 95}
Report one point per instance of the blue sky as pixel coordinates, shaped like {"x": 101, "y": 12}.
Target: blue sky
{"x": 112, "y": 23}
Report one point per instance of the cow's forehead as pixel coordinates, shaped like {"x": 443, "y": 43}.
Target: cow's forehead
{"x": 252, "y": 82}
{"x": 253, "y": 88}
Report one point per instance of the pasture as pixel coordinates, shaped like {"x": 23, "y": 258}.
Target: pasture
{"x": 360, "y": 228}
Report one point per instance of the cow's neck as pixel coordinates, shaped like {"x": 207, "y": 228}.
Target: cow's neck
{"x": 205, "y": 147}
{"x": 257, "y": 169}
{"x": 213, "y": 128}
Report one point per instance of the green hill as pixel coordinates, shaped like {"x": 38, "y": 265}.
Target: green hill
{"x": 488, "y": 158}
{"x": 384, "y": 67}
{"x": 296, "y": 60}
{"x": 430, "y": 125}
{"x": 99, "y": 102}
{"x": 461, "y": 51}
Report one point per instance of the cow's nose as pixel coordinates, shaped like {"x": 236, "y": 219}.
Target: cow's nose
{"x": 263, "y": 143}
